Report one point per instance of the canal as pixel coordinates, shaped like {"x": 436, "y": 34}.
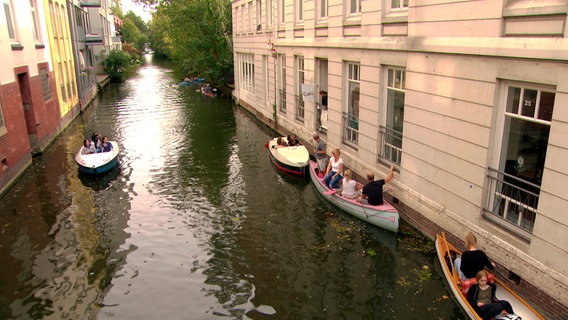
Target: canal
{"x": 196, "y": 224}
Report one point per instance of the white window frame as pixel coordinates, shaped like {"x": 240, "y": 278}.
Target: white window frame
{"x": 391, "y": 142}
{"x": 246, "y": 72}
{"x": 282, "y": 82}
{"x": 35, "y": 21}
{"x": 282, "y": 11}
{"x": 299, "y": 9}
{"x": 268, "y": 8}
{"x": 300, "y": 79}
{"x": 10, "y": 20}
{"x": 322, "y": 9}
{"x": 353, "y": 7}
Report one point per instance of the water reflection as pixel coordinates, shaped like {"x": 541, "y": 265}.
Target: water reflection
{"x": 195, "y": 224}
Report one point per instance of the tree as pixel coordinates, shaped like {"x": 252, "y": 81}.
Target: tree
{"x": 199, "y": 36}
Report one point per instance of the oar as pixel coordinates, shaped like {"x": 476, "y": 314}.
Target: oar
{"x": 332, "y": 191}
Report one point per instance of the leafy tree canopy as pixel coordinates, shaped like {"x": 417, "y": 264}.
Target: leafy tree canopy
{"x": 196, "y": 34}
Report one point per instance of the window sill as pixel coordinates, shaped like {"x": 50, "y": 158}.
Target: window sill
{"x": 17, "y": 46}
{"x": 39, "y": 46}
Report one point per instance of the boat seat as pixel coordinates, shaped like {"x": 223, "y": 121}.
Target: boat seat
{"x": 466, "y": 284}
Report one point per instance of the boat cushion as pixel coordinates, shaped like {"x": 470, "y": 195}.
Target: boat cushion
{"x": 466, "y": 284}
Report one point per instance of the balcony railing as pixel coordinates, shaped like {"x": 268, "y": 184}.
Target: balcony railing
{"x": 299, "y": 108}
{"x": 282, "y": 104}
{"x": 512, "y": 199}
{"x": 91, "y": 3}
{"x": 350, "y": 128}
{"x": 390, "y": 145}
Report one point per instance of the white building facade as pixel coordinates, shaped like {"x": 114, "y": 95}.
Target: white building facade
{"x": 466, "y": 98}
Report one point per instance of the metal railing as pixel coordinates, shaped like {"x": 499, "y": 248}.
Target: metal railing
{"x": 299, "y": 108}
{"x": 350, "y": 128}
{"x": 319, "y": 125}
{"x": 390, "y": 145}
{"x": 512, "y": 199}
{"x": 282, "y": 99}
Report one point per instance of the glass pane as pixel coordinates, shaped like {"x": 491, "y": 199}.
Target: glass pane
{"x": 395, "y": 3}
{"x": 546, "y": 106}
{"x": 354, "y": 99}
{"x": 529, "y": 102}
{"x": 390, "y": 81}
{"x": 11, "y": 32}
{"x": 513, "y": 97}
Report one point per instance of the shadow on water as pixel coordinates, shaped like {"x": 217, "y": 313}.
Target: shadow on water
{"x": 99, "y": 182}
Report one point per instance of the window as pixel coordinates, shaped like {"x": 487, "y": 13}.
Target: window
{"x": 246, "y": 72}
{"x": 391, "y": 133}
{"x": 269, "y": 12}
{"x": 399, "y": 4}
{"x": 61, "y": 82}
{"x": 515, "y": 186}
{"x": 322, "y": 12}
{"x": 351, "y": 117}
{"x": 282, "y": 81}
{"x": 10, "y": 20}
{"x": 258, "y": 15}
{"x": 321, "y": 94}
{"x": 44, "y": 76}
{"x": 299, "y": 10}
{"x": 282, "y": 11}
{"x": 2, "y": 123}
{"x": 354, "y": 6}
{"x": 300, "y": 76}
{"x": 35, "y": 25}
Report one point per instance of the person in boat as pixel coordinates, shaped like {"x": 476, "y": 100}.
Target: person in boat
{"x": 96, "y": 141}
{"x": 106, "y": 145}
{"x": 481, "y": 297}
{"x": 292, "y": 140}
{"x": 472, "y": 260}
{"x": 334, "y": 170}
{"x": 320, "y": 151}
{"x": 88, "y": 147}
{"x": 280, "y": 143}
{"x": 350, "y": 187}
{"x": 372, "y": 192}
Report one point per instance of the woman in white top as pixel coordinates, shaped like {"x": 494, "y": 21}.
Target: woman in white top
{"x": 350, "y": 186}
{"x": 334, "y": 170}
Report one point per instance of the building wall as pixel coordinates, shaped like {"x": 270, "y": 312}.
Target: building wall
{"x": 60, "y": 42}
{"x": 30, "y": 119}
{"x": 459, "y": 60}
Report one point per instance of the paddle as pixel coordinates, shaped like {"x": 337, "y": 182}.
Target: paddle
{"x": 330, "y": 192}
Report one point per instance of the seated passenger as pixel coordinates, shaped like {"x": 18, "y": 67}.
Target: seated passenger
{"x": 96, "y": 139}
{"x": 292, "y": 140}
{"x": 88, "y": 147}
{"x": 481, "y": 297}
{"x": 106, "y": 145}
{"x": 372, "y": 193}
{"x": 472, "y": 260}
{"x": 280, "y": 143}
{"x": 350, "y": 187}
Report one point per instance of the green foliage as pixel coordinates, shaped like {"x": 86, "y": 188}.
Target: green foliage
{"x": 117, "y": 64}
{"x": 196, "y": 35}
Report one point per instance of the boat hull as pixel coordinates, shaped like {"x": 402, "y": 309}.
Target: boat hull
{"x": 98, "y": 163}
{"x": 521, "y": 307}
{"x": 385, "y": 216}
{"x": 292, "y": 160}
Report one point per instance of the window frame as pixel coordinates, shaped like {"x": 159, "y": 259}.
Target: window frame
{"x": 10, "y": 20}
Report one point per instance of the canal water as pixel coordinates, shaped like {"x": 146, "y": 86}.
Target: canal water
{"x": 196, "y": 224}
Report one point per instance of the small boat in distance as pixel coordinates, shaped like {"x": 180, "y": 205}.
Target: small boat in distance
{"x": 384, "y": 216}
{"x": 446, "y": 255}
{"x": 98, "y": 163}
{"x": 293, "y": 160}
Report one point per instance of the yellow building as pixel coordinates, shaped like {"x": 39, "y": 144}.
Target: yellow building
{"x": 60, "y": 44}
